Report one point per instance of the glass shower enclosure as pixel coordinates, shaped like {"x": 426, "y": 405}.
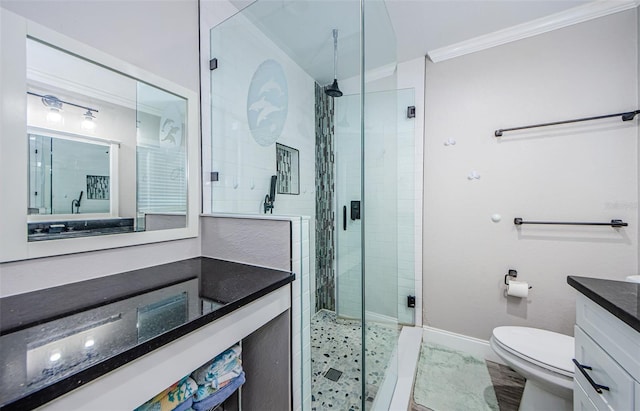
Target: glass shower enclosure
{"x": 337, "y": 161}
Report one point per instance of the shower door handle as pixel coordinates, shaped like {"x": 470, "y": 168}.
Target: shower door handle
{"x": 344, "y": 218}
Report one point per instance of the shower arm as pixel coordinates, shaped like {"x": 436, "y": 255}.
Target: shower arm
{"x": 335, "y": 53}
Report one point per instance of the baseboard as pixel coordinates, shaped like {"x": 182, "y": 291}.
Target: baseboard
{"x": 380, "y": 318}
{"x": 460, "y": 342}
{"x": 371, "y": 316}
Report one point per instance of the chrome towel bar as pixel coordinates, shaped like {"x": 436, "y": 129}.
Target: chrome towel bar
{"x": 613, "y": 223}
{"x": 627, "y": 116}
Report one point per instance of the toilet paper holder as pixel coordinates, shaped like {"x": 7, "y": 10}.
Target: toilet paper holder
{"x": 511, "y": 274}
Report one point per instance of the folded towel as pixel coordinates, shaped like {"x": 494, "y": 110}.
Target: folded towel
{"x": 217, "y": 381}
{"x": 220, "y": 395}
{"x": 185, "y": 406}
{"x": 221, "y": 364}
{"x": 204, "y": 391}
{"x": 172, "y": 397}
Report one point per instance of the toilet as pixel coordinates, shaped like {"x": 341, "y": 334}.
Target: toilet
{"x": 544, "y": 359}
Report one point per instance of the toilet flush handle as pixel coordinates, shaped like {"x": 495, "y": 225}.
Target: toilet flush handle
{"x": 583, "y": 369}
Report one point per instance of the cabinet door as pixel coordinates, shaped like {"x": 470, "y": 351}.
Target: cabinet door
{"x": 604, "y": 371}
{"x": 618, "y": 339}
{"x": 581, "y": 401}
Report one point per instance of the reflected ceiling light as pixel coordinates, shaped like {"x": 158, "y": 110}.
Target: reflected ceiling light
{"x": 55, "y": 356}
{"x": 54, "y": 105}
{"x": 88, "y": 123}
{"x": 89, "y": 343}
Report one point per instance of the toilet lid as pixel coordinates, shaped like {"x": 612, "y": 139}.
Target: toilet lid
{"x": 545, "y": 347}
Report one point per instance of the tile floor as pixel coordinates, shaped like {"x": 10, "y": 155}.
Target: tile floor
{"x": 336, "y": 343}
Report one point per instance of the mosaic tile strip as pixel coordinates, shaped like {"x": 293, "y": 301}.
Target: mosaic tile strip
{"x": 325, "y": 191}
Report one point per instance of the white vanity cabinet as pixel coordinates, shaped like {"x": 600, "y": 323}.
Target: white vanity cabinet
{"x": 607, "y": 351}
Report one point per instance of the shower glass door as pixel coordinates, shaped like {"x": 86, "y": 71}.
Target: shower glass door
{"x": 270, "y": 64}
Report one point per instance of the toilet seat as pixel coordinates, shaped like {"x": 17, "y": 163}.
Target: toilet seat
{"x": 546, "y": 349}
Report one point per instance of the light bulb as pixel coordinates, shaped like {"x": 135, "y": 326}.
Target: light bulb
{"x": 54, "y": 115}
{"x": 54, "y": 105}
{"x": 88, "y": 123}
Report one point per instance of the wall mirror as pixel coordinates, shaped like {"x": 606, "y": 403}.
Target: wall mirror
{"x": 95, "y": 153}
{"x": 68, "y": 176}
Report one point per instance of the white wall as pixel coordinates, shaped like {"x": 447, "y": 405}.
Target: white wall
{"x": 581, "y": 172}
{"x": 159, "y": 36}
{"x": 139, "y": 32}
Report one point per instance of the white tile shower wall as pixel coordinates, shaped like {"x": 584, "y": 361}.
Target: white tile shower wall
{"x": 390, "y": 204}
{"x": 306, "y": 293}
{"x": 347, "y": 189}
{"x": 411, "y": 76}
{"x": 243, "y": 165}
{"x": 405, "y": 140}
{"x": 585, "y": 171}
{"x": 212, "y": 13}
{"x": 382, "y": 186}
{"x": 301, "y": 316}
{"x": 297, "y": 319}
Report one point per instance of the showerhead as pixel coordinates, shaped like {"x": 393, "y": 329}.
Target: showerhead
{"x": 333, "y": 89}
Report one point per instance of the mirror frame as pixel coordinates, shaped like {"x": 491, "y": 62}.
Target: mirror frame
{"x": 14, "y": 30}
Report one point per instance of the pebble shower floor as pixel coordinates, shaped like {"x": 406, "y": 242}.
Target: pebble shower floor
{"x": 335, "y": 343}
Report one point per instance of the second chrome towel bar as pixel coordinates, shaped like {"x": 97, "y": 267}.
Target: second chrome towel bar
{"x": 613, "y": 223}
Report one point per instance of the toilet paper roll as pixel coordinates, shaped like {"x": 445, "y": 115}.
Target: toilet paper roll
{"x": 518, "y": 289}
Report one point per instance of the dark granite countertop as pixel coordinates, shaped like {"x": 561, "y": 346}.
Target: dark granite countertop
{"x": 58, "y": 339}
{"x": 620, "y": 298}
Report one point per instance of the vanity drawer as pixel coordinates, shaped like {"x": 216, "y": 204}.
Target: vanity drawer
{"x": 581, "y": 401}
{"x": 618, "y": 339}
{"x": 604, "y": 371}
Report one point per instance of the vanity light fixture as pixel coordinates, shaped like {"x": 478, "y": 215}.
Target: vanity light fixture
{"x": 55, "y": 107}
{"x": 89, "y": 121}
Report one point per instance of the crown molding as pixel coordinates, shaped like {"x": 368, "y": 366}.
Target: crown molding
{"x": 579, "y": 14}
